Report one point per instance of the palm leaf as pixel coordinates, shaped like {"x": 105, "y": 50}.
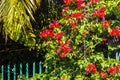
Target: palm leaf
{"x": 16, "y": 15}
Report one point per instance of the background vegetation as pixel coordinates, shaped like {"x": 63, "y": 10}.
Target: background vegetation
{"x": 20, "y": 37}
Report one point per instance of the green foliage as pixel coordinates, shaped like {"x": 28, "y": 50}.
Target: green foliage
{"x": 88, "y": 32}
{"x": 49, "y": 10}
{"x": 16, "y": 16}
{"x": 76, "y": 69}
{"x": 70, "y": 42}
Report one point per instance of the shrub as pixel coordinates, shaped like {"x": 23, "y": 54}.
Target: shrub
{"x": 70, "y": 42}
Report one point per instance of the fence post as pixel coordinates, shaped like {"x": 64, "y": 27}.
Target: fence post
{"x": 2, "y": 70}
{"x": 33, "y": 69}
{"x": 14, "y": 72}
{"x": 40, "y": 67}
{"x": 27, "y": 70}
{"x": 8, "y": 76}
{"x": 46, "y": 68}
{"x": 20, "y": 69}
{"x": 108, "y": 56}
{"x": 117, "y": 56}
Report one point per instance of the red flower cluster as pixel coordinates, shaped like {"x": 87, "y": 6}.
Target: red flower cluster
{"x": 93, "y": 1}
{"x": 65, "y": 8}
{"x": 77, "y": 15}
{"x": 114, "y": 32}
{"x": 113, "y": 70}
{"x": 80, "y": 3}
{"x": 54, "y": 24}
{"x": 100, "y": 13}
{"x": 59, "y": 35}
{"x": 104, "y": 39}
{"x": 63, "y": 50}
{"x": 74, "y": 25}
{"x": 106, "y": 24}
{"x": 118, "y": 6}
{"x": 66, "y": 17}
{"x": 91, "y": 67}
{"x": 47, "y": 33}
{"x": 117, "y": 68}
{"x": 67, "y": 2}
{"x": 103, "y": 74}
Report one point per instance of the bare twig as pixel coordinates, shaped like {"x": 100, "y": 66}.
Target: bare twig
{"x": 84, "y": 48}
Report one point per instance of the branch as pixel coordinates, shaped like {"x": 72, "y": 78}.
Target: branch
{"x": 84, "y": 48}
{"x": 13, "y": 50}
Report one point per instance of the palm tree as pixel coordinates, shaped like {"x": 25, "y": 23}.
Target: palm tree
{"x": 16, "y": 16}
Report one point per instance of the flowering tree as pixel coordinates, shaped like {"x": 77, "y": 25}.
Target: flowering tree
{"x": 71, "y": 41}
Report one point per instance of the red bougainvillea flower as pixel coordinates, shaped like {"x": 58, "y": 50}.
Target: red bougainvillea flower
{"x": 63, "y": 13}
{"x": 118, "y": 6}
{"x": 65, "y": 8}
{"x": 103, "y": 74}
{"x": 117, "y": 68}
{"x": 80, "y": 4}
{"x": 94, "y": 1}
{"x": 54, "y": 24}
{"x": 111, "y": 71}
{"x": 91, "y": 68}
{"x": 65, "y": 48}
{"x": 106, "y": 24}
{"x": 66, "y": 17}
{"x": 83, "y": 5}
{"x": 67, "y": 2}
{"x": 115, "y": 32}
{"x": 95, "y": 13}
{"x": 102, "y": 9}
{"x": 51, "y": 26}
{"x": 62, "y": 55}
{"x": 58, "y": 51}
{"x": 74, "y": 25}
{"x": 104, "y": 39}
{"x": 59, "y": 35}
{"x": 100, "y": 13}
{"x": 47, "y": 33}
{"x": 78, "y": 15}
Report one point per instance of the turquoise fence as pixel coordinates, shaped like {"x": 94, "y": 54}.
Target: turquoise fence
{"x": 18, "y": 70}
{"x": 117, "y": 56}
{"x": 7, "y": 70}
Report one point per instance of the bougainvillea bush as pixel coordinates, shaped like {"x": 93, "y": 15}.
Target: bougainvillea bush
{"x": 71, "y": 41}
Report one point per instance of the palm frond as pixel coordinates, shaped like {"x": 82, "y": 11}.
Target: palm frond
{"x": 16, "y": 15}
